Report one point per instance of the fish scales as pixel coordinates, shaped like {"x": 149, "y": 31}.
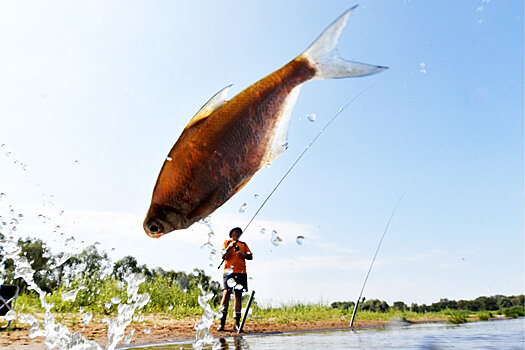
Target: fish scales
{"x": 227, "y": 142}
{"x": 211, "y": 156}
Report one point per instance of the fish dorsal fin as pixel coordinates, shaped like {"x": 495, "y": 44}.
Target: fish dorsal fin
{"x": 209, "y": 107}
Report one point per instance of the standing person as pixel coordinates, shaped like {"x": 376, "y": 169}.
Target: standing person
{"x": 235, "y": 278}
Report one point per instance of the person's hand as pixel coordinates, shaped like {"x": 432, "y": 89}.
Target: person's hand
{"x": 241, "y": 255}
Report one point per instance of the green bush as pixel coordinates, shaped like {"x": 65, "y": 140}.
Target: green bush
{"x": 515, "y": 311}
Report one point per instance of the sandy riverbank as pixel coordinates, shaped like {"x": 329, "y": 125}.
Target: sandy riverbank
{"x": 160, "y": 329}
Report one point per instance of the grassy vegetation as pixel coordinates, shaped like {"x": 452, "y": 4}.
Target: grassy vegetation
{"x": 169, "y": 299}
{"x": 166, "y": 297}
{"x": 174, "y": 293}
{"x": 456, "y": 317}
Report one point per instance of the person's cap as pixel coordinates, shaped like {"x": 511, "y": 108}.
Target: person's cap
{"x": 235, "y": 229}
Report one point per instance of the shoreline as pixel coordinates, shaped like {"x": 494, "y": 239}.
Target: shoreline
{"x": 159, "y": 330}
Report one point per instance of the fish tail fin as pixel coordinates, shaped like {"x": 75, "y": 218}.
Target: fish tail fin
{"x": 327, "y": 62}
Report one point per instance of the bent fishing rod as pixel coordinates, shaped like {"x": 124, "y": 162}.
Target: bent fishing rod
{"x": 305, "y": 150}
{"x": 374, "y": 259}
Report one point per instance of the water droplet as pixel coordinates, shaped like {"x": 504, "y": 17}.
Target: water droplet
{"x": 207, "y": 245}
{"x": 263, "y": 231}
{"x": 311, "y": 117}
{"x": 170, "y": 307}
{"x": 276, "y": 240}
{"x": 269, "y": 165}
{"x": 115, "y": 300}
{"x": 20, "y": 215}
{"x": 87, "y": 318}
{"x": 10, "y": 315}
{"x": 8, "y": 154}
{"x": 242, "y": 209}
{"x": 231, "y": 283}
{"x": 107, "y": 305}
{"x": 480, "y": 9}
{"x": 169, "y": 159}
{"x": 72, "y": 295}
{"x": 76, "y": 163}
{"x": 256, "y": 196}
{"x": 2, "y": 196}
{"x": 422, "y": 68}
{"x": 300, "y": 240}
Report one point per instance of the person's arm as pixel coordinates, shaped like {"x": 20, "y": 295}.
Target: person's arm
{"x": 248, "y": 255}
{"x": 228, "y": 249}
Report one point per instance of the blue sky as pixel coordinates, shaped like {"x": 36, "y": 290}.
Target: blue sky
{"x": 112, "y": 85}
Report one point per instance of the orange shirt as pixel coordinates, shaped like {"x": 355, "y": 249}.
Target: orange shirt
{"x": 233, "y": 260}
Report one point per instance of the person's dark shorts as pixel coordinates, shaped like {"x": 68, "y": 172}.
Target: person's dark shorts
{"x": 240, "y": 281}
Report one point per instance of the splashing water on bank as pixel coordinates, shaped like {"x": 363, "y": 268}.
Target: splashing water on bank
{"x": 57, "y": 335}
{"x": 202, "y": 327}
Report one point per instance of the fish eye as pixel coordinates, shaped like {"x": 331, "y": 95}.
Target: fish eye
{"x": 154, "y": 227}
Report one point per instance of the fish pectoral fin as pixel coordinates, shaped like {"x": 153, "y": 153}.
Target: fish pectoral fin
{"x": 279, "y": 142}
{"x": 209, "y": 107}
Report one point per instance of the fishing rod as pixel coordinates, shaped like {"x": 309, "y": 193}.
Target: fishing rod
{"x": 235, "y": 248}
{"x": 305, "y": 150}
{"x": 374, "y": 259}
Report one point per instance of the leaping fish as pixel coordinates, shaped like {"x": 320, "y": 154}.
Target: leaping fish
{"x": 227, "y": 142}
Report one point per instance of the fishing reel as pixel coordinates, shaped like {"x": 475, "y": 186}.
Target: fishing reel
{"x": 236, "y": 248}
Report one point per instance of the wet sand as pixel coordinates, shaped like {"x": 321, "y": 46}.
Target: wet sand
{"x": 161, "y": 329}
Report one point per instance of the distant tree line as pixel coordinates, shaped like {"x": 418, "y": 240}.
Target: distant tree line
{"x": 483, "y": 303}
{"x": 92, "y": 264}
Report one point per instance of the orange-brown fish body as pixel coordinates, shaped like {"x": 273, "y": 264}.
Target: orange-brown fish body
{"x": 221, "y": 149}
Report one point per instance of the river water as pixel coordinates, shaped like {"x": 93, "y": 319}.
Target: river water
{"x": 500, "y": 334}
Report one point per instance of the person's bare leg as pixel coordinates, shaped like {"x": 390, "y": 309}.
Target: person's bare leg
{"x": 224, "y": 303}
{"x": 238, "y": 305}
{"x": 238, "y": 300}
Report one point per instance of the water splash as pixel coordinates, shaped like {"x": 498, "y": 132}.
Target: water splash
{"x": 276, "y": 240}
{"x": 231, "y": 282}
{"x": 10, "y": 315}
{"x": 87, "y": 318}
{"x": 202, "y": 327}
{"x": 72, "y": 295}
{"x": 263, "y": 231}
{"x": 300, "y": 240}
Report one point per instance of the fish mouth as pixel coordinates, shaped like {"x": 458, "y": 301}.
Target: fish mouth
{"x": 156, "y": 228}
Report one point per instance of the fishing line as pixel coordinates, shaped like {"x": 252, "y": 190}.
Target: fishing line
{"x": 374, "y": 259}
{"x": 306, "y": 149}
